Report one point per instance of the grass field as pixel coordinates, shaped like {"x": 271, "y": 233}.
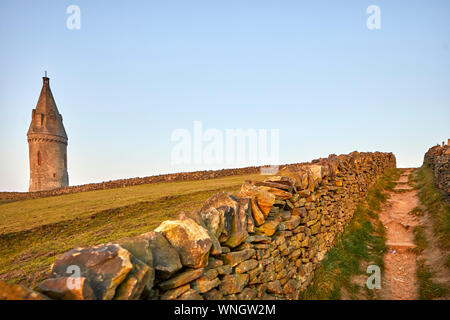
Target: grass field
{"x": 33, "y": 232}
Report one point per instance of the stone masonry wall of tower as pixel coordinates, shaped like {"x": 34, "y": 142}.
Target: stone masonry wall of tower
{"x": 47, "y": 141}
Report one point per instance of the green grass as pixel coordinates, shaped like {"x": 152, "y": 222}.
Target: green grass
{"x": 439, "y": 210}
{"x": 35, "y": 232}
{"x": 412, "y": 180}
{"x": 363, "y": 240}
{"x": 417, "y": 211}
{"x": 419, "y": 239}
{"x": 428, "y": 289}
{"x": 433, "y": 201}
{"x": 28, "y": 214}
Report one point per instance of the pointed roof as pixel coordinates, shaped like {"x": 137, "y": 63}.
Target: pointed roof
{"x": 46, "y": 117}
{"x": 46, "y": 102}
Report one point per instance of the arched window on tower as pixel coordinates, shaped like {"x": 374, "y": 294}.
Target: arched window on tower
{"x": 39, "y": 158}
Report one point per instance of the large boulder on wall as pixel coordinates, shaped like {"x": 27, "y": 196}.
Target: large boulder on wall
{"x": 166, "y": 260}
{"x": 189, "y": 239}
{"x": 227, "y": 218}
{"x": 104, "y": 267}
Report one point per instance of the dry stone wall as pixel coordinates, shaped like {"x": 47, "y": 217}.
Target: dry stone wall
{"x": 263, "y": 242}
{"x": 120, "y": 183}
{"x": 438, "y": 159}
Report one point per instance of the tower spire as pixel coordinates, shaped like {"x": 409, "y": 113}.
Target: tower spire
{"x": 47, "y": 141}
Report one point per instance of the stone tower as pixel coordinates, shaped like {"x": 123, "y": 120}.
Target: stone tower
{"x": 47, "y": 142}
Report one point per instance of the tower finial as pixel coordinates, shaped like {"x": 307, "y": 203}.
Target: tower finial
{"x": 46, "y": 73}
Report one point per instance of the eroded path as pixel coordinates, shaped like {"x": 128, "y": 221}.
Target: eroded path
{"x": 400, "y": 282}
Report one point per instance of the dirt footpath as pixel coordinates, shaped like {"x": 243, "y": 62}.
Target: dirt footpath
{"x": 400, "y": 282}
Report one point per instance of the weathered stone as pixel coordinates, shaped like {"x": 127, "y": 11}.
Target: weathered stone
{"x": 301, "y": 212}
{"x": 274, "y": 185}
{"x": 191, "y": 241}
{"x": 166, "y": 260}
{"x": 294, "y": 174}
{"x": 290, "y": 224}
{"x": 282, "y": 180}
{"x": 259, "y": 238}
{"x": 317, "y": 172}
{"x": 253, "y": 274}
{"x": 275, "y": 287}
{"x": 136, "y": 281}
{"x": 67, "y": 288}
{"x": 247, "y": 294}
{"x": 279, "y": 194}
{"x": 17, "y": 292}
{"x": 264, "y": 199}
{"x": 290, "y": 290}
{"x": 285, "y": 215}
{"x": 233, "y": 283}
{"x": 268, "y": 228}
{"x": 216, "y": 248}
{"x": 104, "y": 266}
{"x": 258, "y": 215}
{"x": 235, "y": 257}
{"x": 280, "y": 204}
{"x": 315, "y": 228}
{"x": 191, "y": 294}
{"x": 214, "y": 220}
{"x": 140, "y": 248}
{"x": 261, "y": 246}
{"x": 204, "y": 285}
{"x": 214, "y": 294}
{"x": 263, "y": 254}
{"x": 250, "y": 222}
{"x": 245, "y": 246}
{"x": 225, "y": 250}
{"x": 289, "y": 204}
{"x": 212, "y": 262}
{"x": 238, "y": 227}
{"x": 295, "y": 254}
{"x": 175, "y": 293}
{"x": 285, "y": 233}
{"x": 217, "y": 213}
{"x": 261, "y": 290}
{"x": 181, "y": 279}
{"x": 225, "y": 269}
{"x": 210, "y": 274}
{"x": 247, "y": 265}
{"x": 259, "y": 278}
{"x": 304, "y": 193}
{"x": 267, "y": 296}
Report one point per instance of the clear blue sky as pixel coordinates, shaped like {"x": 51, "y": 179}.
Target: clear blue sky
{"x": 138, "y": 70}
